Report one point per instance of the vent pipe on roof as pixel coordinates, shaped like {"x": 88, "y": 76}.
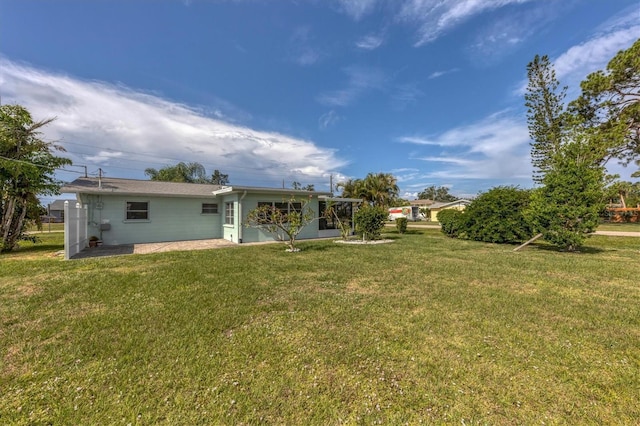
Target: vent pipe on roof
{"x": 99, "y": 178}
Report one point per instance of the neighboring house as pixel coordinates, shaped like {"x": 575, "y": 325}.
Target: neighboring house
{"x": 437, "y": 207}
{"x": 128, "y": 211}
{"x": 55, "y": 212}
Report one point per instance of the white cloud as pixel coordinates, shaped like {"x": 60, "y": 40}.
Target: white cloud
{"x": 329, "y": 119}
{"x": 301, "y": 47}
{"x": 504, "y": 34}
{"x": 360, "y": 81}
{"x": 594, "y": 54}
{"x": 102, "y": 120}
{"x": 437, "y": 74}
{"x": 496, "y": 147}
{"x": 582, "y": 59}
{"x": 370, "y": 42}
{"x": 435, "y": 17}
{"x": 356, "y": 9}
{"x": 102, "y": 157}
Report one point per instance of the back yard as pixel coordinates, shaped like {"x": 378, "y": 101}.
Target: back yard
{"x": 424, "y": 329}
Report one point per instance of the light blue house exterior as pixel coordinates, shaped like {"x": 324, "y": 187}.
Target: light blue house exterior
{"x": 128, "y": 211}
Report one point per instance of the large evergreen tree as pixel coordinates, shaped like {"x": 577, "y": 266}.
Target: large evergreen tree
{"x": 27, "y": 167}
{"x": 545, "y": 114}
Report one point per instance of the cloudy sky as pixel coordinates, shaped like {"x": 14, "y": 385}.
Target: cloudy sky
{"x": 301, "y": 90}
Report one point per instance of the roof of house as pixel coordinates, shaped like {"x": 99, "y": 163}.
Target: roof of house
{"x": 421, "y": 202}
{"x": 235, "y": 189}
{"x": 59, "y": 204}
{"x": 440, "y": 205}
{"x": 107, "y": 185}
{"x": 94, "y": 185}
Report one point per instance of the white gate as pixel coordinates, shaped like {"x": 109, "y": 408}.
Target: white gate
{"x": 75, "y": 229}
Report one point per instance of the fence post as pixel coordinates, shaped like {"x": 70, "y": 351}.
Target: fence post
{"x": 66, "y": 231}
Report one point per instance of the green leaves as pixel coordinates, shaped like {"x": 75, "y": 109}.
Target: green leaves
{"x": 379, "y": 189}
{"x": 370, "y": 221}
{"x": 566, "y": 209}
{"x": 27, "y": 167}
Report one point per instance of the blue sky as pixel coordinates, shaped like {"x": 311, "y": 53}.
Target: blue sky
{"x": 273, "y": 91}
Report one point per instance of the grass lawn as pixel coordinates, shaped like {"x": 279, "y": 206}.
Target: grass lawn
{"x": 425, "y": 329}
{"x": 624, "y": 227}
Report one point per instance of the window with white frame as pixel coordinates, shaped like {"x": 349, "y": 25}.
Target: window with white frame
{"x": 228, "y": 214}
{"x": 209, "y": 208}
{"x": 137, "y": 210}
{"x": 284, "y": 208}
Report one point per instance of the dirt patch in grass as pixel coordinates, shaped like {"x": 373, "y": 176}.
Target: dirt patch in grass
{"x": 356, "y": 286}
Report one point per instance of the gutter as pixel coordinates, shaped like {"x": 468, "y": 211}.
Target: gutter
{"x": 240, "y": 217}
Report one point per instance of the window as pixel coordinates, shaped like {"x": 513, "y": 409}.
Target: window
{"x": 228, "y": 214}
{"x": 137, "y": 210}
{"x": 209, "y": 208}
{"x": 284, "y": 209}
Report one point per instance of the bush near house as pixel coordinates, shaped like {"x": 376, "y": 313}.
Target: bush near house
{"x": 451, "y": 222}
{"x": 401, "y": 225}
{"x": 370, "y": 221}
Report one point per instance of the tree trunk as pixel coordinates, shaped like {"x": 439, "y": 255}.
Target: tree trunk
{"x": 6, "y": 221}
{"x": 12, "y": 228}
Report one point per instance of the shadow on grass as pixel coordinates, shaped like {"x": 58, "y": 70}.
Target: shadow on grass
{"x": 36, "y": 248}
{"x": 552, "y": 248}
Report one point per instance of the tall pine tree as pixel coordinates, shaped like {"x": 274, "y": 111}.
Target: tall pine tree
{"x": 545, "y": 114}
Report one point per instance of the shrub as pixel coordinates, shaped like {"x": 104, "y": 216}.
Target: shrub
{"x": 450, "y": 222}
{"x": 370, "y": 221}
{"x": 497, "y": 216}
{"x": 401, "y": 225}
{"x": 566, "y": 208}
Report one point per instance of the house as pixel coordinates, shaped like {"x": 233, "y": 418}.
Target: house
{"x": 128, "y": 211}
{"x": 55, "y": 212}
{"x": 437, "y": 207}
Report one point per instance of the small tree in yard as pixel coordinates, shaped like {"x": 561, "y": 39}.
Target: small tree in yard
{"x": 340, "y": 217}
{"x": 370, "y": 221}
{"x": 282, "y": 220}
{"x": 566, "y": 209}
{"x": 401, "y": 225}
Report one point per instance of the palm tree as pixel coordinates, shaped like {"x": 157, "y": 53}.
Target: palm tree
{"x": 381, "y": 189}
{"x": 181, "y": 172}
{"x": 352, "y": 188}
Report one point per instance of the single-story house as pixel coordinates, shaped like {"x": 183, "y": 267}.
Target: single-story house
{"x": 437, "y": 207}
{"x": 128, "y": 211}
{"x": 55, "y": 212}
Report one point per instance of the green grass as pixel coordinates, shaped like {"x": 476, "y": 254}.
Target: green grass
{"x": 624, "y": 227}
{"x": 425, "y": 329}
{"x": 46, "y": 227}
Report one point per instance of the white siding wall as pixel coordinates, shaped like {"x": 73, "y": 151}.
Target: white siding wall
{"x": 170, "y": 219}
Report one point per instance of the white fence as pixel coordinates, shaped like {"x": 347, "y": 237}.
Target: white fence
{"x": 75, "y": 229}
